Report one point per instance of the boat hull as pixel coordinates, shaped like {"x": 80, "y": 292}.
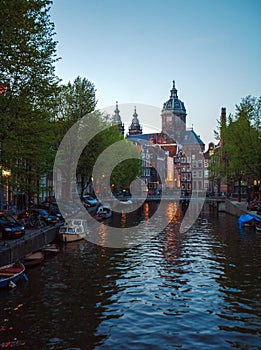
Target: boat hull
{"x": 10, "y": 274}
{"x": 50, "y": 249}
{"x": 69, "y": 237}
{"x": 73, "y": 230}
{"x": 33, "y": 259}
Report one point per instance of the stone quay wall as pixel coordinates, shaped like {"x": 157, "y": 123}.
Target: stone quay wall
{"x": 12, "y": 251}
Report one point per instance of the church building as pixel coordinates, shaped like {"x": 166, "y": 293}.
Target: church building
{"x": 181, "y": 148}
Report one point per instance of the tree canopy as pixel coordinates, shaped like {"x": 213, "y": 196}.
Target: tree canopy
{"x": 239, "y": 158}
{"x": 28, "y": 91}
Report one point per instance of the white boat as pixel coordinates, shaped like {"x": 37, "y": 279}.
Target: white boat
{"x": 73, "y": 230}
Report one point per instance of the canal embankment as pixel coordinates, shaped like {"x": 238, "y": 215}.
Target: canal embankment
{"x": 12, "y": 251}
{"x": 238, "y": 208}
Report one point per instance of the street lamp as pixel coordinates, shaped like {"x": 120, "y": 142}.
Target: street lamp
{"x": 6, "y": 173}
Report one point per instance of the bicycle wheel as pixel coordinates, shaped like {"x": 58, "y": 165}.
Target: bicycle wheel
{"x": 33, "y": 220}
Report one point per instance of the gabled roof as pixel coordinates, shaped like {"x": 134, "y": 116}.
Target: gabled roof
{"x": 188, "y": 137}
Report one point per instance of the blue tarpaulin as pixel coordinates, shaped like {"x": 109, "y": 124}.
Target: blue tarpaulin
{"x": 245, "y": 218}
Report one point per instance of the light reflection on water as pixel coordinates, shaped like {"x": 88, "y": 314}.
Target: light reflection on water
{"x": 196, "y": 290}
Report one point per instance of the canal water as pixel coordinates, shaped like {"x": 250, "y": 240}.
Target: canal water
{"x": 197, "y": 290}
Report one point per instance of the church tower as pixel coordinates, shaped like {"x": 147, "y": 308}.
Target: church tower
{"x": 174, "y": 114}
{"x": 116, "y": 119}
{"x": 135, "y": 128}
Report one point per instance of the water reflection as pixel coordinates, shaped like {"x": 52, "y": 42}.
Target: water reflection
{"x": 194, "y": 290}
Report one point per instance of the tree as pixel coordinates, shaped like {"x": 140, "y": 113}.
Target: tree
{"x": 27, "y": 56}
{"x": 77, "y": 100}
{"x": 239, "y": 157}
{"x": 123, "y": 173}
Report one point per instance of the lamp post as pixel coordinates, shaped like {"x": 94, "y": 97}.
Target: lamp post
{"x": 6, "y": 173}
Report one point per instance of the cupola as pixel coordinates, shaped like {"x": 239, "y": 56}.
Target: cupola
{"x": 135, "y": 127}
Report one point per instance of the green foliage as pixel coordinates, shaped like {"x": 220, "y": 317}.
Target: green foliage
{"x": 123, "y": 173}
{"x": 242, "y": 142}
{"x": 75, "y": 101}
{"x": 27, "y": 55}
{"x": 126, "y": 172}
{"x": 239, "y": 157}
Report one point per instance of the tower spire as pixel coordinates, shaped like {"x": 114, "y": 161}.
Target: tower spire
{"x": 173, "y": 91}
{"x": 135, "y": 127}
{"x": 116, "y": 120}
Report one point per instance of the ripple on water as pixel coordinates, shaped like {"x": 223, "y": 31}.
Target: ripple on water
{"x": 196, "y": 290}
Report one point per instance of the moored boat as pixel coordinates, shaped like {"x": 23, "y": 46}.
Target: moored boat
{"x": 248, "y": 220}
{"x": 72, "y": 231}
{"x": 9, "y": 274}
{"x": 50, "y": 249}
{"x": 33, "y": 259}
{"x": 258, "y": 226}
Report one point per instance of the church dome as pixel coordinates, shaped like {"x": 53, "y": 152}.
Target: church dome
{"x": 174, "y": 104}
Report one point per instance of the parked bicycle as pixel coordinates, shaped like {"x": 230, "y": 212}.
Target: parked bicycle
{"x": 36, "y": 221}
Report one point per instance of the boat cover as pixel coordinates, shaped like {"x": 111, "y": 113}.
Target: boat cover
{"x": 244, "y": 218}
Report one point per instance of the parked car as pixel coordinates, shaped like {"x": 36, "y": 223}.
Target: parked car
{"x": 10, "y": 228}
{"x": 52, "y": 209}
{"x": 89, "y": 201}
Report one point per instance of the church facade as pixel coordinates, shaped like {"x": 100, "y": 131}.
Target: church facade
{"x": 175, "y": 156}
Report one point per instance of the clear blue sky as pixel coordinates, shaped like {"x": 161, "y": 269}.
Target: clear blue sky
{"x": 132, "y": 50}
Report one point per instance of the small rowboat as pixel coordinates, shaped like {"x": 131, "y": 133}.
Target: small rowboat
{"x": 9, "y": 274}
{"x": 33, "y": 259}
{"x": 50, "y": 249}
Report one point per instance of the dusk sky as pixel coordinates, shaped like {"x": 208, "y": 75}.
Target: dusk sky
{"x": 132, "y": 50}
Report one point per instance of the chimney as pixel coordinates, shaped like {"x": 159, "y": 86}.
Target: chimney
{"x": 223, "y": 123}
